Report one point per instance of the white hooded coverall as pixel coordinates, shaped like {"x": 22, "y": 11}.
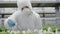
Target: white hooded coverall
{"x": 21, "y": 21}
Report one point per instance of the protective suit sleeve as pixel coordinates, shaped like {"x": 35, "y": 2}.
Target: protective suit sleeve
{"x": 38, "y": 22}
{"x": 10, "y": 21}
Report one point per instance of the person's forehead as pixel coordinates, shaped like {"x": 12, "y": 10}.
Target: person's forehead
{"x": 25, "y": 7}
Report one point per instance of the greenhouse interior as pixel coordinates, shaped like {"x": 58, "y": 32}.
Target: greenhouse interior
{"x": 48, "y": 10}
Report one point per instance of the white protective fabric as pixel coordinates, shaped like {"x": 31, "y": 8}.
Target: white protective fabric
{"x": 24, "y": 21}
{"x": 27, "y": 11}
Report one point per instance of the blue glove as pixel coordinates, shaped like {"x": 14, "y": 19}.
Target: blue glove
{"x": 11, "y": 23}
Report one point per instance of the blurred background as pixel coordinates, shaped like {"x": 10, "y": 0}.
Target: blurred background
{"x": 49, "y": 10}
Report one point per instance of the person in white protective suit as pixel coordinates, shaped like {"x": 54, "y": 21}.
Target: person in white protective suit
{"x": 25, "y": 18}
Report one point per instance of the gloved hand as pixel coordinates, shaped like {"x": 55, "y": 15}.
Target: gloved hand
{"x": 11, "y": 23}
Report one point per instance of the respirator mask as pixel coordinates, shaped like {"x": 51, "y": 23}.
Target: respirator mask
{"x": 27, "y": 11}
